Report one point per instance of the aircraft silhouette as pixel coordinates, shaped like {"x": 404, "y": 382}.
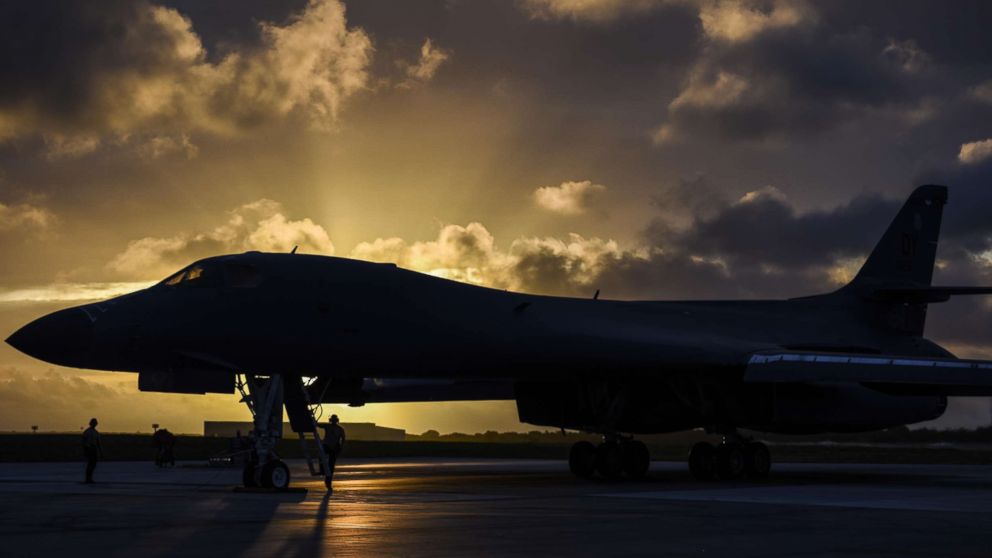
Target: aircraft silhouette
{"x": 298, "y": 330}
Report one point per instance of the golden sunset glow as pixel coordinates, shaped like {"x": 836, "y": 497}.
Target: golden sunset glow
{"x": 654, "y": 149}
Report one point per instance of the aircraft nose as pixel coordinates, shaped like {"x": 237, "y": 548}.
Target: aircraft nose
{"x": 62, "y": 337}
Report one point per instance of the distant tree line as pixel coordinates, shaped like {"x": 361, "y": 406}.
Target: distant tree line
{"x": 897, "y": 435}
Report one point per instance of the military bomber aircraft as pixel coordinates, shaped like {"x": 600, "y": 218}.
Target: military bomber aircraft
{"x": 295, "y": 331}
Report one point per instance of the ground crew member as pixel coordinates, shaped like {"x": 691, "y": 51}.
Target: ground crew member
{"x": 164, "y": 441}
{"x": 92, "y": 449}
{"x": 333, "y": 444}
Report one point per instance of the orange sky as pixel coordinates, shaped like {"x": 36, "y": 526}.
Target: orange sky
{"x": 548, "y": 146}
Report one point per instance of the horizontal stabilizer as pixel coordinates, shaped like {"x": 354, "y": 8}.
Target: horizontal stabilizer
{"x": 896, "y": 374}
{"x": 926, "y": 294}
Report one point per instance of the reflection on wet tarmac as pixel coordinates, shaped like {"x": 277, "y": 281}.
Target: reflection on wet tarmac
{"x": 471, "y": 507}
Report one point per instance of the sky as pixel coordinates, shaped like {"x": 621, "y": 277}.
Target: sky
{"x": 663, "y": 149}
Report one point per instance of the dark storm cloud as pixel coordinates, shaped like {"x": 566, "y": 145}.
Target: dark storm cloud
{"x": 797, "y": 81}
{"x": 838, "y": 62}
{"x": 676, "y": 275}
{"x": 953, "y": 33}
{"x": 231, "y": 25}
{"x": 966, "y": 216}
{"x": 56, "y": 54}
{"x": 962, "y": 320}
{"x": 765, "y": 228}
{"x": 757, "y": 246}
{"x": 762, "y": 245}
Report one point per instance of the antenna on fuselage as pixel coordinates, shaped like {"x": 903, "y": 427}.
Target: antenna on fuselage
{"x": 293, "y": 251}
{"x": 596, "y": 296}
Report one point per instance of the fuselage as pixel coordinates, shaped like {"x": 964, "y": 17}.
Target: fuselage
{"x": 318, "y": 315}
{"x": 321, "y": 316}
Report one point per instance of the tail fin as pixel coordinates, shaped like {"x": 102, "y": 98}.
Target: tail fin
{"x": 905, "y": 255}
{"x": 902, "y": 260}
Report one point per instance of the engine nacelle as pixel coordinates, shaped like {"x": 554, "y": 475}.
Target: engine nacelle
{"x": 837, "y": 407}
{"x": 600, "y": 406}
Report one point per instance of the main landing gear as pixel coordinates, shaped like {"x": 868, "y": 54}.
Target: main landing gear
{"x": 731, "y": 459}
{"x": 617, "y": 457}
{"x": 614, "y": 458}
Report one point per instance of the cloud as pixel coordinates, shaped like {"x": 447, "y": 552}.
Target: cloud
{"x": 975, "y": 151}
{"x": 981, "y": 92}
{"x": 763, "y": 229}
{"x": 68, "y": 292}
{"x": 470, "y": 254}
{"x": 906, "y": 55}
{"x": 719, "y": 91}
{"x": 260, "y": 225}
{"x": 777, "y": 70}
{"x": 312, "y": 63}
{"x": 598, "y": 11}
{"x": 156, "y": 147}
{"x": 136, "y": 71}
{"x": 758, "y": 244}
{"x": 25, "y": 216}
{"x": 578, "y": 265}
{"x": 568, "y": 198}
{"x": 61, "y": 146}
{"x": 60, "y": 400}
{"x": 463, "y": 253}
{"x": 721, "y": 20}
{"x": 966, "y": 225}
{"x": 737, "y": 21}
{"x": 431, "y": 59}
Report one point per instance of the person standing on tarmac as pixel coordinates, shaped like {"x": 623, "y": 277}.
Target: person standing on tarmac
{"x": 92, "y": 449}
{"x": 333, "y": 444}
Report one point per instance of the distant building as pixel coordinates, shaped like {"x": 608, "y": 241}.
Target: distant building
{"x": 354, "y": 430}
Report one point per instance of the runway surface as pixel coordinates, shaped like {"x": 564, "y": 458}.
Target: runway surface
{"x": 463, "y": 507}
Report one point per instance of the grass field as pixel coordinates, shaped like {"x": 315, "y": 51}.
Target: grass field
{"x": 136, "y": 447}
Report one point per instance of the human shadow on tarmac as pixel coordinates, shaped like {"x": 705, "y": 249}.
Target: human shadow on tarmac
{"x": 223, "y": 527}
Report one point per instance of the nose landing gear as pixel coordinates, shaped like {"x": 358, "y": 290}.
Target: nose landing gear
{"x": 264, "y": 397}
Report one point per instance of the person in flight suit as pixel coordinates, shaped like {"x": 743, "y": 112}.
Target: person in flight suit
{"x": 91, "y": 449}
{"x": 333, "y": 444}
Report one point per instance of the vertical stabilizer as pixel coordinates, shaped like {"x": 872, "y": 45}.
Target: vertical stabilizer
{"x": 905, "y": 255}
{"x": 902, "y": 259}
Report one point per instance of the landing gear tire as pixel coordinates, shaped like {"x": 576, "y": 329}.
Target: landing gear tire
{"x": 636, "y": 459}
{"x": 582, "y": 459}
{"x": 702, "y": 461}
{"x": 248, "y": 476}
{"x": 758, "y": 460}
{"x": 275, "y": 475}
{"x": 609, "y": 460}
{"x": 730, "y": 460}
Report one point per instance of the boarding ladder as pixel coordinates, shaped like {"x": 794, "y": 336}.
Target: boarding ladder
{"x": 313, "y": 448}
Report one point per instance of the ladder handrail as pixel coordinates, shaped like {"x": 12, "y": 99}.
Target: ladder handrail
{"x": 315, "y": 430}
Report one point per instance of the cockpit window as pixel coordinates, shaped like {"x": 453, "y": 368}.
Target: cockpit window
{"x": 194, "y": 273}
{"x": 197, "y": 275}
{"x": 175, "y": 279}
{"x": 215, "y": 274}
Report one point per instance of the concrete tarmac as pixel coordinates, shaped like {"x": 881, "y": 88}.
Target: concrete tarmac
{"x": 459, "y": 507}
